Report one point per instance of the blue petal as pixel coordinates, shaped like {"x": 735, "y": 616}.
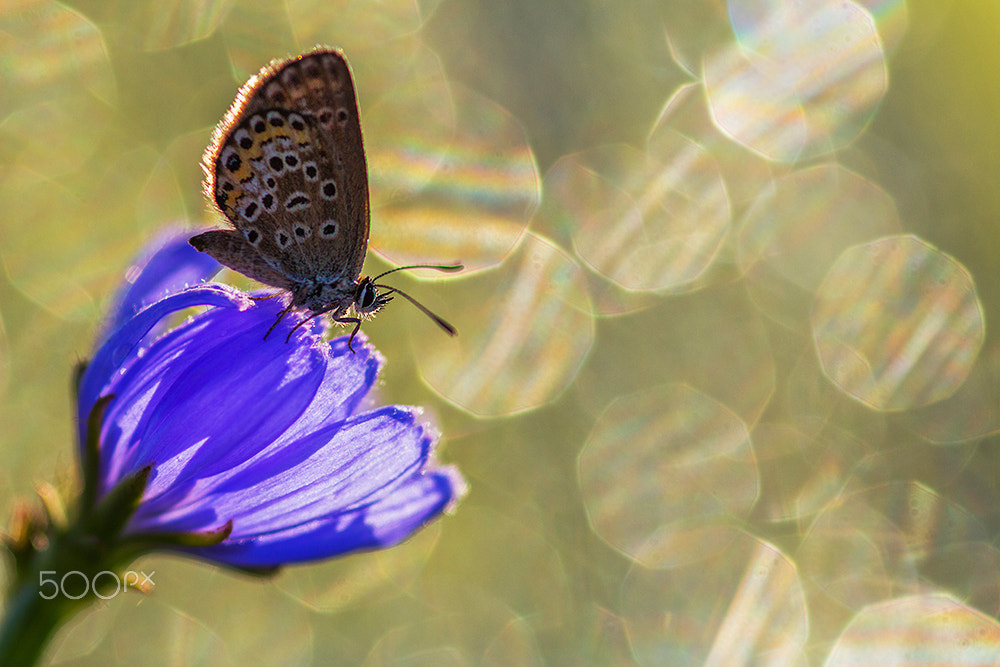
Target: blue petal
{"x": 253, "y": 430}
{"x": 213, "y": 393}
{"x": 169, "y": 266}
{"x": 339, "y": 468}
{"x": 216, "y": 379}
{"x": 122, "y": 346}
{"x": 273, "y": 403}
{"x": 382, "y": 524}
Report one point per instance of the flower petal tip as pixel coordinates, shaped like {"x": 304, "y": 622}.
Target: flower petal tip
{"x": 459, "y": 487}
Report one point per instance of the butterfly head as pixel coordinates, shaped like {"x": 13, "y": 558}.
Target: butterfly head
{"x": 367, "y": 298}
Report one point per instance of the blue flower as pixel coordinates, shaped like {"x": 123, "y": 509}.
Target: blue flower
{"x": 265, "y": 442}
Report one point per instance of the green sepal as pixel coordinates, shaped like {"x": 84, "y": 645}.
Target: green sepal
{"x": 262, "y": 572}
{"x": 112, "y": 513}
{"x": 147, "y": 542}
{"x": 52, "y": 503}
{"x": 78, "y": 370}
{"x": 91, "y": 453}
{"x": 151, "y": 541}
{"x": 28, "y": 528}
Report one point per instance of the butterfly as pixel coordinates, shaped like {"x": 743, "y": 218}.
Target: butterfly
{"x": 286, "y": 166}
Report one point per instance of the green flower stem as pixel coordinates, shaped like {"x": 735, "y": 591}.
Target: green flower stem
{"x": 57, "y": 562}
{"x": 27, "y": 626}
{"x": 31, "y": 619}
{"x": 61, "y": 565}
{"x": 86, "y": 552}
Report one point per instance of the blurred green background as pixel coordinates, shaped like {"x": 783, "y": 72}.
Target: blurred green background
{"x": 726, "y": 389}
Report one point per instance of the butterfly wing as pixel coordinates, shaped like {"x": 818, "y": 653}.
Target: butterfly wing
{"x": 230, "y": 248}
{"x": 287, "y": 168}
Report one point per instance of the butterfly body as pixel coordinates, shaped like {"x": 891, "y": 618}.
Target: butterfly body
{"x": 287, "y": 168}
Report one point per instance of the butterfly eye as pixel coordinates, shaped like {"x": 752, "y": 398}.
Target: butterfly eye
{"x": 367, "y": 296}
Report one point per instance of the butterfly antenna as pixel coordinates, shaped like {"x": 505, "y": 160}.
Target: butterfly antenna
{"x": 437, "y": 320}
{"x": 439, "y": 267}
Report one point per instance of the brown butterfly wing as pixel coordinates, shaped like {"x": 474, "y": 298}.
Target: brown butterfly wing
{"x": 239, "y": 255}
{"x": 287, "y": 167}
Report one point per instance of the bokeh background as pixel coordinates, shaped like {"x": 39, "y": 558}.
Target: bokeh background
{"x": 726, "y": 388}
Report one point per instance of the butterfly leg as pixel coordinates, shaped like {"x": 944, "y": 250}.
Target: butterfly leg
{"x": 357, "y": 326}
{"x": 301, "y": 322}
{"x": 278, "y": 319}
